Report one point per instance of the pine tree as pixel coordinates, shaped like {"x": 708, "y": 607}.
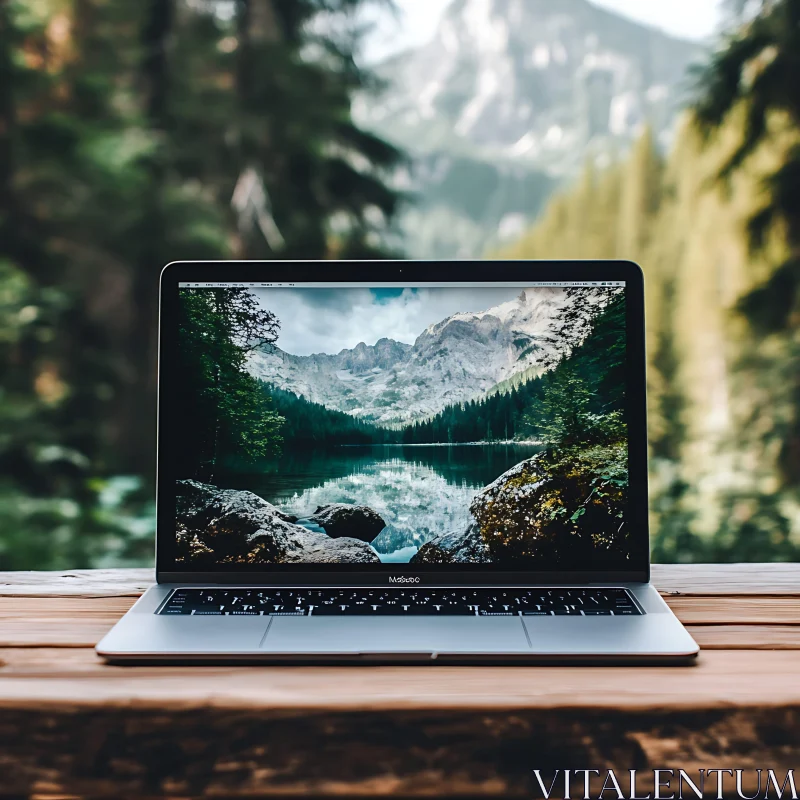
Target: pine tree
{"x": 756, "y": 70}
{"x": 225, "y": 412}
{"x": 640, "y": 197}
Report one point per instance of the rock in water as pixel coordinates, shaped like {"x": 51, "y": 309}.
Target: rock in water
{"x": 454, "y": 548}
{"x": 355, "y": 522}
{"x": 557, "y": 508}
{"x": 318, "y": 548}
{"x": 228, "y": 526}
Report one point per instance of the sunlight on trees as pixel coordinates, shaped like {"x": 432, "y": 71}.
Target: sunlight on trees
{"x": 714, "y": 228}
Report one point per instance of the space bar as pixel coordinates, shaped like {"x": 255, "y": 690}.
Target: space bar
{"x": 391, "y": 611}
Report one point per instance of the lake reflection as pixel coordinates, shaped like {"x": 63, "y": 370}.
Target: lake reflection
{"x": 421, "y": 491}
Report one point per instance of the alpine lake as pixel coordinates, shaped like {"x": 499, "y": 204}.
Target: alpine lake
{"x": 421, "y": 491}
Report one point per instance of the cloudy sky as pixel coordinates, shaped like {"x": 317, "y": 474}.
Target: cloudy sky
{"x": 331, "y": 320}
{"x": 417, "y": 20}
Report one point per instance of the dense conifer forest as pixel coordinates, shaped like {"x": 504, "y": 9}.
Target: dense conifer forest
{"x": 311, "y": 425}
{"x": 589, "y": 380}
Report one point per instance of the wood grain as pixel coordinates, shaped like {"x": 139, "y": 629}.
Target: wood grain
{"x": 721, "y": 610}
{"x": 697, "y": 580}
{"x": 132, "y": 751}
{"x": 83, "y": 636}
{"x": 702, "y": 580}
{"x": 72, "y": 726}
{"x": 58, "y": 621}
{"x": 80, "y": 582}
{"x": 746, "y": 637}
{"x": 77, "y": 676}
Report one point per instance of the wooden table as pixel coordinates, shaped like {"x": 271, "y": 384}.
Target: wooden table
{"x": 72, "y": 726}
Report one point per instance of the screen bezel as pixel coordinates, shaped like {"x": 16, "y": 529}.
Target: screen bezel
{"x": 377, "y": 273}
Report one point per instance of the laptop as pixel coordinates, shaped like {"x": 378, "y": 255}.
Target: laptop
{"x": 401, "y": 462}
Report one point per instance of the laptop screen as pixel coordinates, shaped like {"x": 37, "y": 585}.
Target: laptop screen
{"x": 349, "y": 424}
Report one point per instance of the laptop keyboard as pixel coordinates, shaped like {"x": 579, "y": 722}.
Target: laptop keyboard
{"x": 402, "y": 602}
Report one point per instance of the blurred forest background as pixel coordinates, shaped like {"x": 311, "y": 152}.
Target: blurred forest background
{"x": 133, "y": 134}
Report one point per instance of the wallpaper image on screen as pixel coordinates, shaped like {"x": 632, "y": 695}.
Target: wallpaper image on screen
{"x": 432, "y": 426}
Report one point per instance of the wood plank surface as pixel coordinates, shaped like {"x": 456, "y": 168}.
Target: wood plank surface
{"x": 71, "y": 725}
{"x": 700, "y": 580}
{"x": 77, "y": 677}
{"x": 80, "y": 582}
{"x": 716, "y": 637}
{"x": 85, "y": 632}
{"x": 688, "y": 579}
{"x": 72, "y": 621}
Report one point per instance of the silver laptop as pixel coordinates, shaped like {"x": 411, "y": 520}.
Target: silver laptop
{"x": 401, "y": 462}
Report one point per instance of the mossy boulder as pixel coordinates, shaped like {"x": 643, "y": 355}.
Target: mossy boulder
{"x": 561, "y": 507}
{"x": 457, "y": 547}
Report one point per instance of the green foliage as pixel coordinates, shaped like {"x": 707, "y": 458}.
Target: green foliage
{"x": 497, "y": 417}
{"x": 562, "y": 415}
{"x": 566, "y": 506}
{"x": 224, "y": 412}
{"x": 755, "y": 72}
{"x": 104, "y": 523}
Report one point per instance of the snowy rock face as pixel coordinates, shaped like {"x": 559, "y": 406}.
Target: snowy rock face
{"x": 535, "y": 76}
{"x": 511, "y": 96}
{"x": 458, "y": 359}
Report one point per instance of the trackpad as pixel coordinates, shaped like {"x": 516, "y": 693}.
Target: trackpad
{"x": 338, "y": 635}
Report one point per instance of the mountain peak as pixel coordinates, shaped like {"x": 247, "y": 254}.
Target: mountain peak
{"x": 508, "y": 99}
{"x": 497, "y": 70}
{"x": 455, "y": 360}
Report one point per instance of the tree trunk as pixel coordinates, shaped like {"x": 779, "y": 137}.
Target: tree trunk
{"x": 257, "y": 24}
{"x": 139, "y": 412}
{"x": 7, "y": 121}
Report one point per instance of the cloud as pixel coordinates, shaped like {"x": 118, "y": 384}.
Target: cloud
{"x": 330, "y": 320}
